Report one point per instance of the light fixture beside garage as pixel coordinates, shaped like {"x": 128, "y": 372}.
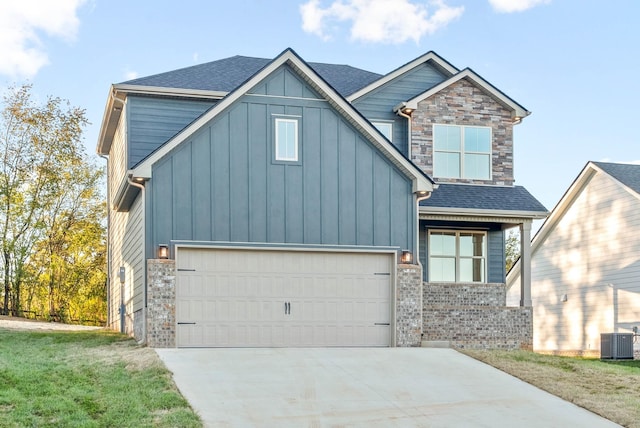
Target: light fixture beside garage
{"x": 163, "y": 251}
{"x": 406, "y": 258}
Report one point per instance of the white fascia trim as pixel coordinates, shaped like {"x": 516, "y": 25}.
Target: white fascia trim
{"x": 176, "y": 92}
{"x": 483, "y": 213}
{"x": 429, "y": 56}
{"x": 517, "y": 110}
{"x": 420, "y": 182}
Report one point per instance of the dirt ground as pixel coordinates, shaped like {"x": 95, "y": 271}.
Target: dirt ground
{"x": 25, "y": 324}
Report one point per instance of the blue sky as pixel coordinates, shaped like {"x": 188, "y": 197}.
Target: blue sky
{"x": 572, "y": 63}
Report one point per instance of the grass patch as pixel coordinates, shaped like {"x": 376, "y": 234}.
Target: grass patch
{"x": 86, "y": 379}
{"x": 610, "y": 389}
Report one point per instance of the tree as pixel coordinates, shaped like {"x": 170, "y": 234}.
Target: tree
{"x": 48, "y": 200}
{"x": 512, "y": 248}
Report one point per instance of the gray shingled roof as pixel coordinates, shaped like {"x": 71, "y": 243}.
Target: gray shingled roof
{"x": 227, "y": 74}
{"x": 515, "y": 198}
{"x": 627, "y": 174}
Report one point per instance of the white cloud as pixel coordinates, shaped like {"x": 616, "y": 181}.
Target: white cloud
{"x": 510, "y": 6}
{"x": 22, "y": 22}
{"x": 378, "y": 21}
{"x": 130, "y": 75}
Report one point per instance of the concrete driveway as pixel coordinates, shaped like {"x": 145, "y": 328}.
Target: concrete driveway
{"x": 356, "y": 387}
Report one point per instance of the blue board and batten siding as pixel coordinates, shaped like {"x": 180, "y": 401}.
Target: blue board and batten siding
{"x": 222, "y": 184}
{"x": 151, "y": 122}
{"x": 378, "y": 104}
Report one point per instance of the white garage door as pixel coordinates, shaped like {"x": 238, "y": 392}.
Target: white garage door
{"x": 236, "y": 298}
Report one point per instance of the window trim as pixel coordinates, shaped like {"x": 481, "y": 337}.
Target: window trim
{"x": 295, "y": 120}
{"x": 462, "y": 151}
{"x": 458, "y": 257}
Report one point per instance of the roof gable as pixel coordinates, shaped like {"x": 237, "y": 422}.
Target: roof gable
{"x": 626, "y": 175}
{"x": 421, "y": 182}
{"x": 517, "y": 111}
{"x": 437, "y": 61}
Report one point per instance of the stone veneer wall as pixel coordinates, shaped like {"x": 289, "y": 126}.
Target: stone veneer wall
{"x": 161, "y": 303}
{"x": 409, "y": 305}
{"x": 464, "y": 104}
{"x": 475, "y": 316}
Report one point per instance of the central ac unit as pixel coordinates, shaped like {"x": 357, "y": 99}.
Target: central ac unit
{"x": 616, "y": 346}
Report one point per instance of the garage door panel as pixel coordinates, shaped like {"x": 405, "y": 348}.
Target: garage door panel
{"x": 237, "y": 298}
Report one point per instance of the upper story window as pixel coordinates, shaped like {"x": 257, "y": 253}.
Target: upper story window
{"x": 462, "y": 152}
{"x": 286, "y": 139}
{"x": 456, "y": 256}
{"x": 385, "y": 128}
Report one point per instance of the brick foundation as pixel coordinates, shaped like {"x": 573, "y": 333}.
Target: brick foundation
{"x": 475, "y": 316}
{"x": 161, "y": 303}
{"x": 409, "y": 306}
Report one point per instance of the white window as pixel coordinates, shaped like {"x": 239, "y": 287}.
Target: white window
{"x": 385, "y": 128}
{"x": 286, "y": 139}
{"x": 462, "y": 152}
{"x": 457, "y": 256}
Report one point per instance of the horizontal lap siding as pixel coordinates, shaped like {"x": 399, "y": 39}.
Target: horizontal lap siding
{"x": 378, "y": 105}
{"x": 153, "y": 121}
{"x": 221, "y": 184}
{"x": 593, "y": 257}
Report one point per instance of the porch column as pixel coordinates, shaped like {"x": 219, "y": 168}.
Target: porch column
{"x": 525, "y": 263}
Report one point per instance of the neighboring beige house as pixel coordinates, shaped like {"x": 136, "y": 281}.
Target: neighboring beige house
{"x": 585, "y": 268}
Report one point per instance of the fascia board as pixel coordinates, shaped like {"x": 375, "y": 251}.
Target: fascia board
{"x": 110, "y": 119}
{"x": 429, "y": 56}
{"x": 517, "y": 109}
{"x": 536, "y": 215}
{"x": 421, "y": 183}
{"x": 176, "y": 92}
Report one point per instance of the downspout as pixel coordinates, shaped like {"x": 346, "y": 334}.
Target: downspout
{"x": 109, "y": 320}
{"x": 144, "y": 255}
{"x": 420, "y": 196}
{"x": 400, "y": 113}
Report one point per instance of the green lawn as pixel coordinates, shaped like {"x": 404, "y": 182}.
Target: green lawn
{"x": 86, "y": 379}
{"x": 608, "y": 388}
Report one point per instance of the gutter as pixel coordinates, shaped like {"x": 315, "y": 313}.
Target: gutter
{"x": 134, "y": 183}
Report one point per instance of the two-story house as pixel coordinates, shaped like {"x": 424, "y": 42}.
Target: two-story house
{"x": 258, "y": 202}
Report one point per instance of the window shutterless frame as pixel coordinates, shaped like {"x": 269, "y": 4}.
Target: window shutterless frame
{"x": 457, "y": 256}
{"x": 385, "y": 128}
{"x": 286, "y": 136}
{"x": 462, "y": 151}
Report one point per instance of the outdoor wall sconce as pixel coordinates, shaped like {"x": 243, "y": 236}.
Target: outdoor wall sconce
{"x": 563, "y": 298}
{"x": 406, "y": 258}
{"x": 163, "y": 251}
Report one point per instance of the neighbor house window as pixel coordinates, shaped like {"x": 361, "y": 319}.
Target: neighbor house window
{"x": 457, "y": 256}
{"x": 462, "y": 152}
{"x": 286, "y": 139}
{"x": 385, "y": 128}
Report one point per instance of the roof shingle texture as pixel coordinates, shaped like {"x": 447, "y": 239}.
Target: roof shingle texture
{"x": 227, "y": 74}
{"x": 627, "y": 174}
{"x": 515, "y": 198}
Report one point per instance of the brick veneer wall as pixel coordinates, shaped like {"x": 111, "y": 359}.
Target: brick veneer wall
{"x": 409, "y": 305}
{"x": 161, "y": 303}
{"x": 464, "y": 104}
{"x": 475, "y": 316}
